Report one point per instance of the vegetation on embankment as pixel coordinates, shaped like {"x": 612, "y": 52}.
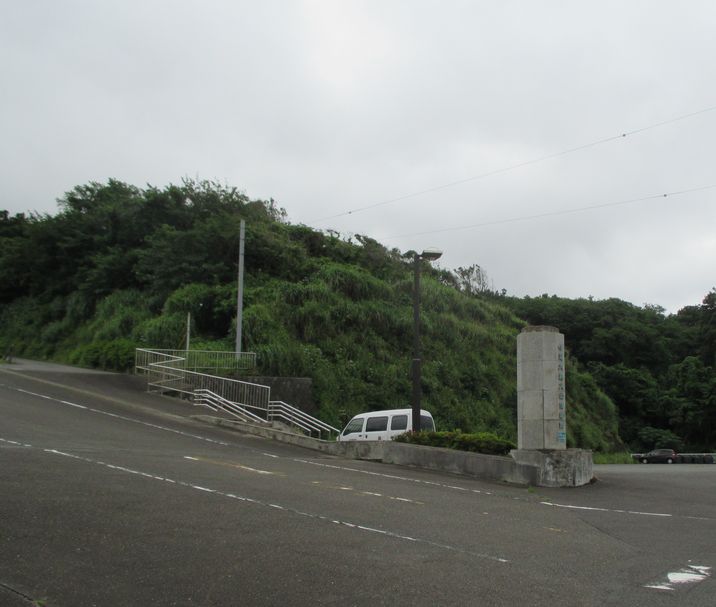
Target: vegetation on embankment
{"x": 119, "y": 267}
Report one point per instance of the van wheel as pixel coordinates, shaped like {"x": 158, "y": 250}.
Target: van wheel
{"x": 669, "y": 461}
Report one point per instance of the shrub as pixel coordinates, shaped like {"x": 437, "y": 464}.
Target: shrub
{"x": 613, "y": 458}
{"x": 115, "y": 355}
{"x": 118, "y": 354}
{"x": 166, "y": 331}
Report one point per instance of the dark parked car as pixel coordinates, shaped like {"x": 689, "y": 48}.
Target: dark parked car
{"x": 658, "y": 456}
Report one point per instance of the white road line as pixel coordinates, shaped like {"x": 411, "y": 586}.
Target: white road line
{"x": 391, "y": 476}
{"x": 571, "y": 507}
{"x": 273, "y": 506}
{"x": 231, "y": 465}
{"x": 122, "y": 417}
{"x": 13, "y": 442}
{"x": 368, "y": 493}
{"x": 66, "y": 402}
{"x": 254, "y": 470}
{"x": 345, "y": 468}
{"x": 630, "y": 512}
{"x": 202, "y": 488}
{"x": 457, "y": 488}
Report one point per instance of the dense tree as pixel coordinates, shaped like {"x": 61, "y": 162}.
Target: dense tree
{"x": 472, "y": 280}
{"x": 658, "y": 369}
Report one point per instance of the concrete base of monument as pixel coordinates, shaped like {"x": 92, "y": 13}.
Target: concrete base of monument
{"x": 559, "y": 467}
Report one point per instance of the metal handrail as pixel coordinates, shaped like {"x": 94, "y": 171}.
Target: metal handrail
{"x": 168, "y": 371}
{"x": 213, "y": 401}
{"x": 197, "y": 360}
{"x": 294, "y": 416}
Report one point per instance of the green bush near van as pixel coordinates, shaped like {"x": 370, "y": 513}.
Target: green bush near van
{"x": 481, "y": 442}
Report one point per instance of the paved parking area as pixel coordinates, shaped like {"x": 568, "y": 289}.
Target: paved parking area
{"x": 112, "y": 496}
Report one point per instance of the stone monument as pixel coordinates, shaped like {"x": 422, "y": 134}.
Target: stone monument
{"x": 542, "y": 411}
{"x": 541, "y": 397}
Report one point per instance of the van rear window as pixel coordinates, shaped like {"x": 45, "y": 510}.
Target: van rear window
{"x": 427, "y": 424}
{"x": 376, "y": 424}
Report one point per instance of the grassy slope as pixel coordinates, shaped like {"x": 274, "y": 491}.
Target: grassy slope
{"x": 346, "y": 329}
{"x": 315, "y": 305}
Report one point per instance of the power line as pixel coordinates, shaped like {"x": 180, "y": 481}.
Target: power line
{"x": 515, "y": 166}
{"x": 556, "y": 213}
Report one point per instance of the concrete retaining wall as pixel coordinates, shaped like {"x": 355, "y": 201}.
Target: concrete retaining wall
{"x": 479, "y": 465}
{"x": 570, "y": 468}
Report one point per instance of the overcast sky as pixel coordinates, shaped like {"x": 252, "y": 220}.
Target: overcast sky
{"x": 461, "y": 110}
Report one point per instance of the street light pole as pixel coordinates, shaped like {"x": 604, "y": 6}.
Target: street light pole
{"x": 429, "y": 255}
{"x": 416, "y": 344}
{"x": 240, "y": 293}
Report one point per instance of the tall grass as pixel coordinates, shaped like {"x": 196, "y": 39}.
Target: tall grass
{"x": 613, "y": 458}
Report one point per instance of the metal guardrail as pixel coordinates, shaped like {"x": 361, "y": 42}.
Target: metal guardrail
{"x": 696, "y": 458}
{"x": 169, "y": 371}
{"x": 202, "y": 360}
{"x": 159, "y": 367}
{"x": 179, "y": 371}
{"x": 281, "y": 411}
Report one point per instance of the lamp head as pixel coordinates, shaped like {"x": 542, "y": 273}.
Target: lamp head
{"x": 431, "y": 254}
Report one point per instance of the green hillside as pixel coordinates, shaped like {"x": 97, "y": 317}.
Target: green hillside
{"x": 119, "y": 267}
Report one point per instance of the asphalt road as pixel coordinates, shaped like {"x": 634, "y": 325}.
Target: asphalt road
{"x": 111, "y": 496}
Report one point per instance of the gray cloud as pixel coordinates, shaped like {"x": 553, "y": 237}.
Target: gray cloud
{"x": 331, "y": 106}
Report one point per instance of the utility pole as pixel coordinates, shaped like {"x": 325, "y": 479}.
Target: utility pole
{"x": 240, "y": 295}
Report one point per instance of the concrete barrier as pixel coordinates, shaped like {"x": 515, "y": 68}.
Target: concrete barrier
{"x": 562, "y": 468}
{"x": 479, "y": 465}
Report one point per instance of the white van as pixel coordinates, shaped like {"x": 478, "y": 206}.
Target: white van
{"x": 384, "y": 425}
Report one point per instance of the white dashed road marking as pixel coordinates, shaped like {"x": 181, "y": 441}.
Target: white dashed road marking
{"x": 14, "y": 443}
{"x": 391, "y": 476}
{"x": 631, "y": 512}
{"x": 122, "y": 417}
{"x": 257, "y": 502}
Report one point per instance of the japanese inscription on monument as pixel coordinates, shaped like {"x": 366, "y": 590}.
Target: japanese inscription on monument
{"x": 562, "y": 397}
